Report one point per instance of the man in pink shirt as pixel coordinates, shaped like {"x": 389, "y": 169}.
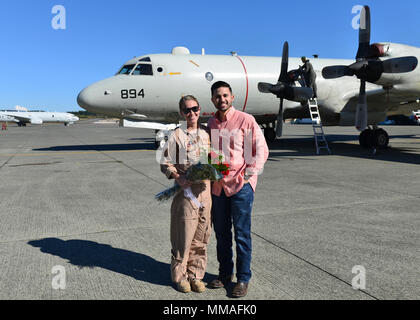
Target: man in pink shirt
{"x": 238, "y": 137}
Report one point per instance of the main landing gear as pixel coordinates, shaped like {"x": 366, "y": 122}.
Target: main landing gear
{"x": 270, "y": 134}
{"x": 374, "y": 138}
{"x": 269, "y": 130}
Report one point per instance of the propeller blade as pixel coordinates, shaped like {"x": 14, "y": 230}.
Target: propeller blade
{"x": 279, "y": 125}
{"x": 400, "y": 65}
{"x": 333, "y": 72}
{"x": 364, "y": 34}
{"x": 361, "y": 109}
{"x": 284, "y": 63}
{"x": 264, "y": 87}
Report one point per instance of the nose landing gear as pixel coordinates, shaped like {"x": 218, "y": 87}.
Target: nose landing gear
{"x": 374, "y": 138}
{"x": 161, "y": 136}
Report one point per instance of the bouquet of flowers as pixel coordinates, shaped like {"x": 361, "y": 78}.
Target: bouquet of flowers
{"x": 216, "y": 160}
{"x": 213, "y": 171}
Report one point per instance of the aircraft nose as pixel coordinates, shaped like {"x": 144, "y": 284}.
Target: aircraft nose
{"x": 96, "y": 98}
{"x": 83, "y": 99}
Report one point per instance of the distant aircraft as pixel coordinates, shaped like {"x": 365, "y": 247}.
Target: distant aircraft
{"x": 36, "y": 117}
{"x": 387, "y": 82}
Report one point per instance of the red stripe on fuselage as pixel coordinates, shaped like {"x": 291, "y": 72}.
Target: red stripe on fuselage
{"x": 247, "y": 83}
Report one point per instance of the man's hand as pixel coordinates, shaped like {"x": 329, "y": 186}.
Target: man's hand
{"x": 247, "y": 177}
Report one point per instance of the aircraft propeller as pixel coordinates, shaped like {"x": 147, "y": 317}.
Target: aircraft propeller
{"x": 285, "y": 89}
{"x": 368, "y": 67}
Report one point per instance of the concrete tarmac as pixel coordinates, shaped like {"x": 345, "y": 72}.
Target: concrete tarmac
{"x": 77, "y": 212}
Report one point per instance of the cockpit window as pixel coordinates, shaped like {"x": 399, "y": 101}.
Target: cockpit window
{"x": 145, "y": 59}
{"x": 126, "y": 69}
{"x": 143, "y": 69}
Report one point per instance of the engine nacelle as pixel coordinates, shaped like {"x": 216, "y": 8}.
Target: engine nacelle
{"x": 394, "y": 50}
{"x": 36, "y": 121}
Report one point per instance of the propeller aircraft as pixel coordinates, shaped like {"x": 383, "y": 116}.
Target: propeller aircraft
{"x": 384, "y": 81}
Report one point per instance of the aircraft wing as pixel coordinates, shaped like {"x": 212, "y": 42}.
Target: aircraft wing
{"x": 294, "y": 111}
{"x": 21, "y": 118}
{"x": 392, "y": 101}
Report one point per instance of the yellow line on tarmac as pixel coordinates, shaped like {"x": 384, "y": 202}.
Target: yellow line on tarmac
{"x": 67, "y": 153}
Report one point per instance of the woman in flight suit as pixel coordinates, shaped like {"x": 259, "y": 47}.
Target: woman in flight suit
{"x": 190, "y": 211}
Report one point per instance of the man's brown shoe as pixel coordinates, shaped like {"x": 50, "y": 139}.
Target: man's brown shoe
{"x": 240, "y": 290}
{"x": 220, "y": 282}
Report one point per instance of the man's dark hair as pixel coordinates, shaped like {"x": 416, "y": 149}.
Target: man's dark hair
{"x": 220, "y": 84}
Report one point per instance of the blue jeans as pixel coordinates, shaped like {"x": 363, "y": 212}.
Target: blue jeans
{"x": 236, "y": 211}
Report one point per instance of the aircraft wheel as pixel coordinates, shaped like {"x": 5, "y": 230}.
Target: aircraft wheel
{"x": 381, "y": 138}
{"x": 365, "y": 138}
{"x": 269, "y": 134}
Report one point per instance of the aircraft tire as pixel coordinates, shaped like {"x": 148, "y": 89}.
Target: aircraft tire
{"x": 159, "y": 144}
{"x": 381, "y": 138}
{"x": 366, "y": 138}
{"x": 270, "y": 134}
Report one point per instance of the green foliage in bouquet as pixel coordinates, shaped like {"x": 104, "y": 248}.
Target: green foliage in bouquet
{"x": 196, "y": 173}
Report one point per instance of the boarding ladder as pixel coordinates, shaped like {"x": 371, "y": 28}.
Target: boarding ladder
{"x": 320, "y": 141}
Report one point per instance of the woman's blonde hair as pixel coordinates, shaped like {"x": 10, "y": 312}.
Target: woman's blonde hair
{"x": 185, "y": 99}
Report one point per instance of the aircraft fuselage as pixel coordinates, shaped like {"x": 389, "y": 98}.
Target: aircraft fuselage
{"x": 153, "y": 93}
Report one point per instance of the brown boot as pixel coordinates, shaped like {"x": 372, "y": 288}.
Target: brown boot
{"x": 197, "y": 286}
{"x": 220, "y": 282}
{"x": 183, "y": 286}
{"x": 240, "y": 290}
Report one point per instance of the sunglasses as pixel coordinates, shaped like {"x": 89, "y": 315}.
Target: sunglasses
{"x": 188, "y": 110}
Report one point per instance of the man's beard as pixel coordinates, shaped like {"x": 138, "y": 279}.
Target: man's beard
{"x": 224, "y": 108}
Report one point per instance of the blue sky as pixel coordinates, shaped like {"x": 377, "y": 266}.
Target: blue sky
{"x": 46, "y": 68}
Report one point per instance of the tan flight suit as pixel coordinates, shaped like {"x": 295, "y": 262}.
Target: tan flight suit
{"x": 190, "y": 225}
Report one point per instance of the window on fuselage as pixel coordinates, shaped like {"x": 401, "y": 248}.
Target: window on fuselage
{"x": 143, "y": 69}
{"x": 126, "y": 69}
